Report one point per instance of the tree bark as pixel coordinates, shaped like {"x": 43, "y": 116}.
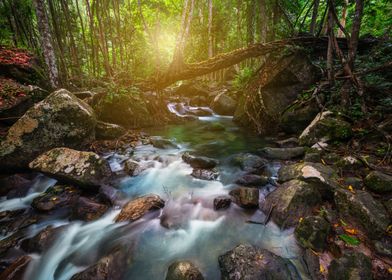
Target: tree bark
{"x": 355, "y": 33}
{"x": 314, "y": 16}
{"x": 46, "y": 42}
{"x": 343, "y": 19}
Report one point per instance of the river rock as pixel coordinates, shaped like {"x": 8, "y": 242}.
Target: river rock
{"x": 288, "y": 143}
{"x": 312, "y": 157}
{"x": 254, "y": 180}
{"x": 223, "y": 104}
{"x": 199, "y": 162}
{"x": 222, "y": 202}
{"x": 298, "y": 118}
{"x": 249, "y": 262}
{"x": 42, "y": 240}
{"x": 362, "y": 208}
{"x": 28, "y": 96}
{"x": 291, "y": 201}
{"x": 59, "y": 196}
{"x": 351, "y": 266}
{"x": 162, "y": 143}
{"x": 312, "y": 266}
{"x": 325, "y": 126}
{"x": 246, "y": 197}
{"x": 14, "y": 186}
{"x": 324, "y": 177}
{"x": 136, "y": 208}
{"x": 282, "y": 153}
{"x": 127, "y": 110}
{"x": 108, "y": 131}
{"x": 86, "y": 209}
{"x": 183, "y": 270}
{"x": 312, "y": 233}
{"x": 379, "y": 182}
{"x": 284, "y": 79}
{"x": 86, "y": 169}
{"x": 60, "y": 120}
{"x": 249, "y": 163}
{"x": 190, "y": 89}
{"x": 17, "y": 269}
{"x": 355, "y": 182}
{"x": 110, "y": 267}
{"x": 205, "y": 174}
{"x": 133, "y": 167}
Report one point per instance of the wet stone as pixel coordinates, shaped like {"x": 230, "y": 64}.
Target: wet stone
{"x": 246, "y": 197}
{"x": 183, "y": 270}
{"x": 138, "y": 207}
{"x": 222, "y": 202}
{"x": 59, "y": 196}
{"x": 199, "y": 162}
{"x": 205, "y": 174}
{"x": 352, "y": 266}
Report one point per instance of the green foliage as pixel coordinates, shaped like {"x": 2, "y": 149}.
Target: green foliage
{"x": 116, "y": 90}
{"x": 243, "y": 78}
{"x": 349, "y": 239}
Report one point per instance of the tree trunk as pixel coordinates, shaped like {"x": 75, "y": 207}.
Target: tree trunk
{"x": 355, "y": 33}
{"x": 314, "y": 16}
{"x": 343, "y": 19}
{"x": 46, "y": 42}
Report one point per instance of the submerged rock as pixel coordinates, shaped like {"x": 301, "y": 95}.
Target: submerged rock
{"x": 86, "y": 169}
{"x": 291, "y": 201}
{"x": 222, "y": 202}
{"x": 108, "y": 131}
{"x": 110, "y": 267}
{"x": 183, "y": 270}
{"x": 59, "y": 196}
{"x": 325, "y": 126}
{"x": 199, "y": 162}
{"x": 14, "y": 186}
{"x": 133, "y": 167}
{"x": 352, "y": 266}
{"x": 249, "y": 180}
{"x": 282, "y": 153}
{"x": 249, "y": 162}
{"x": 249, "y": 262}
{"x": 246, "y": 197}
{"x": 60, "y": 120}
{"x": 205, "y": 174}
{"x": 162, "y": 143}
{"x": 379, "y": 182}
{"x": 362, "y": 208}
{"x": 136, "y": 208}
{"x": 223, "y": 104}
{"x": 41, "y": 241}
{"x": 312, "y": 232}
{"x": 88, "y": 210}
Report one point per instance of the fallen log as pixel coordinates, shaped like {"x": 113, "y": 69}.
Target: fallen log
{"x": 192, "y": 70}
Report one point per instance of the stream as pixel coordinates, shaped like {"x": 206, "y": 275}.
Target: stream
{"x": 195, "y": 232}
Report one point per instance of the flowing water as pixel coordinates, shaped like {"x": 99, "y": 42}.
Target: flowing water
{"x": 196, "y": 233}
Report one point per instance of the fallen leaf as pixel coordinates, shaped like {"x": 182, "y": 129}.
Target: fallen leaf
{"x": 349, "y": 240}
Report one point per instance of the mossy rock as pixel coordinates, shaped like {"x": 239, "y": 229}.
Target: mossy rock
{"x": 312, "y": 232}
{"x": 379, "y": 182}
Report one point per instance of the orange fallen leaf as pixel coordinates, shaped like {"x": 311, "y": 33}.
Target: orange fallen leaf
{"x": 322, "y": 269}
{"x": 351, "y": 231}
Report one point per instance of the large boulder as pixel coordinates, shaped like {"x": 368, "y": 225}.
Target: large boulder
{"x": 183, "y": 270}
{"x": 17, "y": 99}
{"x": 223, "y": 104}
{"x": 249, "y": 262}
{"x": 108, "y": 131}
{"x": 162, "y": 143}
{"x": 325, "y": 126}
{"x": 324, "y": 177}
{"x": 351, "y": 266}
{"x": 291, "y": 201}
{"x": 361, "y": 207}
{"x": 297, "y": 118}
{"x": 42, "y": 240}
{"x": 85, "y": 169}
{"x": 282, "y": 153}
{"x": 246, "y": 197}
{"x": 378, "y": 182}
{"x": 128, "y": 110}
{"x": 136, "y": 208}
{"x": 60, "y": 120}
{"x": 312, "y": 232}
{"x": 199, "y": 162}
{"x": 278, "y": 85}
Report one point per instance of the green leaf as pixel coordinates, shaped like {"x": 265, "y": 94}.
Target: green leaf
{"x": 349, "y": 239}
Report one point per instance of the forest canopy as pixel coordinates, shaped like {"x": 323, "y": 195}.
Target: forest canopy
{"x": 132, "y": 40}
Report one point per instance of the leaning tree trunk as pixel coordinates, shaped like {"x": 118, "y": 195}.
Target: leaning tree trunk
{"x": 314, "y": 16}
{"x": 46, "y": 41}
